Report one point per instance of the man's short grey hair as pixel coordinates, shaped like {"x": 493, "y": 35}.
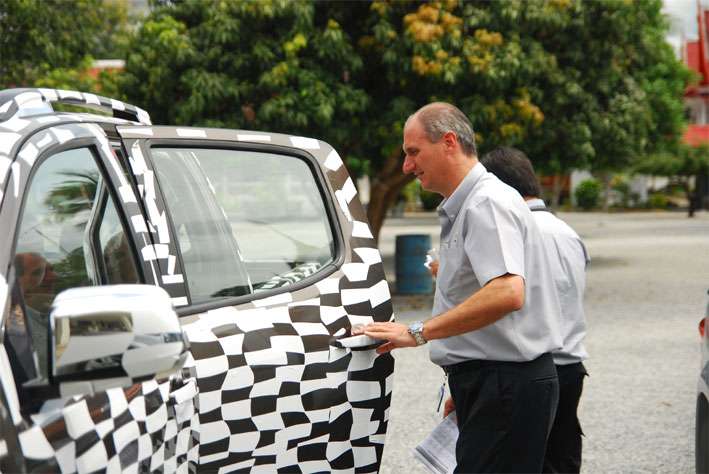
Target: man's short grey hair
{"x": 439, "y": 118}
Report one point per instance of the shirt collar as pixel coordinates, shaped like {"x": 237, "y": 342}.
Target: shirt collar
{"x": 450, "y": 207}
{"x": 536, "y": 203}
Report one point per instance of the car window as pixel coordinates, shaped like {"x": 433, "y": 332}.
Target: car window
{"x": 56, "y": 249}
{"x": 245, "y": 221}
{"x": 116, "y": 256}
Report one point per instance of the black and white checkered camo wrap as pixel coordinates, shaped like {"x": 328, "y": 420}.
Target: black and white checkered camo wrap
{"x": 158, "y": 427}
{"x": 273, "y": 393}
{"x": 295, "y": 275}
{"x": 146, "y": 428}
{"x": 27, "y": 102}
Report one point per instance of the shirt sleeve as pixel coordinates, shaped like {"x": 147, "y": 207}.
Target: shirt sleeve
{"x": 494, "y": 240}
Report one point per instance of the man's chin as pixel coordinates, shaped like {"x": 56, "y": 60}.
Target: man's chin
{"x": 424, "y": 186}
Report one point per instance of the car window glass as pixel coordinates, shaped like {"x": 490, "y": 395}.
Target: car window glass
{"x": 116, "y": 256}
{"x": 245, "y": 221}
{"x": 55, "y": 248}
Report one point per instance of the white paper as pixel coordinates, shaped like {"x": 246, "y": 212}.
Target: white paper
{"x": 437, "y": 451}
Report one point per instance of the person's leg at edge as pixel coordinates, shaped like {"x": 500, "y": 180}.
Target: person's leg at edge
{"x": 564, "y": 447}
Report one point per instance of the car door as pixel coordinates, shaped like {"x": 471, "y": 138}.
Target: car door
{"x": 74, "y": 220}
{"x": 267, "y": 245}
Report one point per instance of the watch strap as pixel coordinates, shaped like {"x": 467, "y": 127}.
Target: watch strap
{"x": 416, "y": 330}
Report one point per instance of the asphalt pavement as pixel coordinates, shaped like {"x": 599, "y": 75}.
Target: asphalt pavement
{"x": 646, "y": 292}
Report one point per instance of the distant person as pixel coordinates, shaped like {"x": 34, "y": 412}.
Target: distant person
{"x": 495, "y": 309}
{"x": 568, "y": 259}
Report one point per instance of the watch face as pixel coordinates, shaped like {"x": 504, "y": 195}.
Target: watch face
{"x": 416, "y": 330}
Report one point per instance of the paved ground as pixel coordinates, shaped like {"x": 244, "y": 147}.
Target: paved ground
{"x": 646, "y": 293}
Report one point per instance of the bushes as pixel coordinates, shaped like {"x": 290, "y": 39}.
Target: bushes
{"x": 587, "y": 194}
{"x": 418, "y": 198}
{"x": 429, "y": 200}
{"x": 621, "y": 190}
{"x": 657, "y": 201}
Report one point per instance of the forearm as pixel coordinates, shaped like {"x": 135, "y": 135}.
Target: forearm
{"x": 492, "y": 302}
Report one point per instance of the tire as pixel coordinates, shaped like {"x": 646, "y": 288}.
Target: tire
{"x": 701, "y": 446}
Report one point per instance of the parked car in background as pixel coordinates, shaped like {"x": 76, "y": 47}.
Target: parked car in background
{"x": 701, "y": 451}
{"x": 176, "y": 298}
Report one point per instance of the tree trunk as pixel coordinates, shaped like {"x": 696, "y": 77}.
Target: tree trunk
{"x": 556, "y": 191}
{"x": 691, "y": 197}
{"x": 606, "y": 181}
{"x": 386, "y": 186}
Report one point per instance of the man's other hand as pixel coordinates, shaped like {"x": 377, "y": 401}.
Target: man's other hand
{"x": 396, "y": 334}
{"x": 433, "y": 268}
{"x": 448, "y": 406}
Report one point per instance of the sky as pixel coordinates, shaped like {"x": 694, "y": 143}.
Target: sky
{"x": 683, "y": 19}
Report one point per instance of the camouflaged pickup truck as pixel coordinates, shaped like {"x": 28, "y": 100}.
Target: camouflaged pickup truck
{"x": 181, "y": 299}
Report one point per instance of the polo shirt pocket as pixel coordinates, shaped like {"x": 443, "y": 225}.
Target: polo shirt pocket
{"x": 452, "y": 255}
{"x": 456, "y": 278}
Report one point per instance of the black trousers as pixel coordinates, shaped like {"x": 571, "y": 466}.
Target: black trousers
{"x": 564, "y": 444}
{"x": 505, "y": 411}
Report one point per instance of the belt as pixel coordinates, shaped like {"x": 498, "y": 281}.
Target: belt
{"x": 470, "y": 365}
{"x": 568, "y": 369}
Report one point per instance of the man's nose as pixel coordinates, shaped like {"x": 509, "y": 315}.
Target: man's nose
{"x": 408, "y": 166}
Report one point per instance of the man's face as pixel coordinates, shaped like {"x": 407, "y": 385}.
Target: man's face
{"x": 423, "y": 158}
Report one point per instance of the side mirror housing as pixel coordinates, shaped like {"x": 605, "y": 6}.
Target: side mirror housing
{"x": 113, "y": 336}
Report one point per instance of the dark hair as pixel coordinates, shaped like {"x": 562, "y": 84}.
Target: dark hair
{"x": 439, "y": 118}
{"x": 513, "y": 168}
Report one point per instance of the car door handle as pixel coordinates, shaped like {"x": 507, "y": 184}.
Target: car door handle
{"x": 184, "y": 393}
{"x": 360, "y": 342}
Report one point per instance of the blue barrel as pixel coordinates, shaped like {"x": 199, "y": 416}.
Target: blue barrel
{"x": 412, "y": 277}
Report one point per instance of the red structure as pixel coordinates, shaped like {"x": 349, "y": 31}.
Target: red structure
{"x": 696, "y": 57}
{"x": 696, "y": 98}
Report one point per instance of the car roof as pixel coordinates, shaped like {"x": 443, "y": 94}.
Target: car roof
{"x": 25, "y": 110}
{"x": 19, "y": 108}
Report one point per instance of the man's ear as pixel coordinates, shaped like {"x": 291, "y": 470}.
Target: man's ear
{"x": 450, "y": 139}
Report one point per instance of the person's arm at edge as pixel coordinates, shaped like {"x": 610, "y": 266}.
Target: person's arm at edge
{"x": 499, "y": 297}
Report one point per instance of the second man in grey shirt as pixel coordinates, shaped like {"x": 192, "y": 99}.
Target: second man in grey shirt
{"x": 568, "y": 259}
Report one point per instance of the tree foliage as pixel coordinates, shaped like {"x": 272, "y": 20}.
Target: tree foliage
{"x": 575, "y": 84}
{"x": 688, "y": 161}
{"x": 51, "y": 43}
{"x": 685, "y": 164}
{"x": 261, "y": 65}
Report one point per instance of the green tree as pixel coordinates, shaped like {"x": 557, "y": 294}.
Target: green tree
{"x": 348, "y": 72}
{"x": 51, "y": 43}
{"x": 685, "y": 166}
{"x": 271, "y": 65}
{"x": 575, "y": 84}
{"x": 607, "y": 82}
{"x": 418, "y": 52}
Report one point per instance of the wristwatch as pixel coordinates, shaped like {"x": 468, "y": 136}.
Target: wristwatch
{"x": 416, "y": 330}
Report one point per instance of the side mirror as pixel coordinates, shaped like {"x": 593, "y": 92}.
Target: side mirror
{"x": 112, "y": 336}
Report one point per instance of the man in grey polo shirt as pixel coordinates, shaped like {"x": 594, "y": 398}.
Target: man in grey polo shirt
{"x": 568, "y": 258}
{"x": 495, "y": 310}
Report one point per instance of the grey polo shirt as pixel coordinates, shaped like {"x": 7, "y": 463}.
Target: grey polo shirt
{"x": 487, "y": 231}
{"x": 568, "y": 259}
